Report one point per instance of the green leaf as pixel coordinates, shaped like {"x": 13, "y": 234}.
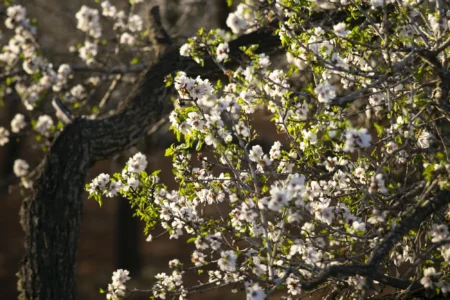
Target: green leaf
{"x": 229, "y": 3}
{"x": 134, "y": 61}
{"x": 428, "y": 172}
{"x": 169, "y": 152}
{"x": 156, "y": 172}
{"x": 95, "y": 110}
{"x": 379, "y": 129}
{"x": 265, "y": 189}
{"x": 199, "y": 146}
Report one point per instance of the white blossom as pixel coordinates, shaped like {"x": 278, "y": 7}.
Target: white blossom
{"x": 15, "y": 15}
{"x": 127, "y": 39}
{"x": 149, "y": 238}
{"x": 137, "y": 163}
{"x": 325, "y": 92}
{"x": 236, "y": 23}
{"x": 356, "y": 138}
{"x": 135, "y": 23}
{"x": 109, "y": 10}
{"x": 88, "y": 52}
{"x": 20, "y": 167}
{"x": 222, "y": 51}
{"x": 43, "y": 124}
{"x": 256, "y": 153}
{"x": 117, "y": 289}
{"x": 227, "y": 262}
{"x": 114, "y": 188}
{"x": 340, "y": 29}
{"x": 255, "y": 292}
{"x": 185, "y": 50}
{"x": 88, "y": 21}
{"x": 425, "y": 139}
{"x": 18, "y": 123}
{"x": 427, "y": 279}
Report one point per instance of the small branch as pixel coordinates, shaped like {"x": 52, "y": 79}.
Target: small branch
{"x": 114, "y": 70}
{"x": 62, "y": 112}
{"x": 110, "y": 90}
{"x": 336, "y": 271}
{"x": 157, "y": 126}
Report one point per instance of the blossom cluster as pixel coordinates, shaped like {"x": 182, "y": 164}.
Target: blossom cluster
{"x": 117, "y": 289}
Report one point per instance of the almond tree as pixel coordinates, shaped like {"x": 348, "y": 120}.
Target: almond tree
{"x": 339, "y": 205}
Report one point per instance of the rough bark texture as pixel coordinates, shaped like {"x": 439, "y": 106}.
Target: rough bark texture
{"x": 51, "y": 217}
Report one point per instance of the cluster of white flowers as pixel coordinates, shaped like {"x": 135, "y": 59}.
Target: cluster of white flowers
{"x": 242, "y": 19}
{"x": 222, "y": 51}
{"x": 135, "y": 23}
{"x": 227, "y": 261}
{"x": 117, "y": 289}
{"x": 255, "y": 292}
{"x": 4, "y": 136}
{"x": 88, "y": 52}
{"x": 277, "y": 84}
{"x": 357, "y": 138}
{"x": 425, "y": 139}
{"x": 16, "y": 14}
{"x": 18, "y": 123}
{"x": 43, "y": 124}
{"x": 108, "y": 10}
{"x": 186, "y": 50}
{"x": 99, "y": 183}
{"x": 439, "y": 233}
{"x": 192, "y": 89}
{"x": 171, "y": 283}
{"x": 110, "y": 188}
{"x": 62, "y": 75}
{"x": 325, "y": 92}
{"x": 127, "y": 39}
{"x": 89, "y": 21}
{"x": 340, "y": 29}
{"x": 20, "y": 167}
{"x": 20, "y": 45}
{"x": 137, "y": 163}
{"x": 76, "y": 94}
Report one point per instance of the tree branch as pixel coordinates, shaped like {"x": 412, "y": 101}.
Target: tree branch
{"x": 369, "y": 270}
{"x": 418, "y": 215}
